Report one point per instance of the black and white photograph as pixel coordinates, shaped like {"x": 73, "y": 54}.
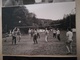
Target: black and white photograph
{"x": 11, "y": 3}
{"x": 39, "y": 29}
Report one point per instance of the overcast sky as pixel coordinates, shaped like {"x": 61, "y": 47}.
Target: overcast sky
{"x": 52, "y": 11}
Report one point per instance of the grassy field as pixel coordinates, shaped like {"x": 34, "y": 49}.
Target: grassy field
{"x": 26, "y": 46}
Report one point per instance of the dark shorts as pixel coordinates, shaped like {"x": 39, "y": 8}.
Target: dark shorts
{"x": 13, "y": 37}
{"x": 54, "y": 33}
{"x": 68, "y": 42}
{"x": 35, "y": 37}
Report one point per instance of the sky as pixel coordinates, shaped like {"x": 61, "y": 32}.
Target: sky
{"x": 52, "y": 11}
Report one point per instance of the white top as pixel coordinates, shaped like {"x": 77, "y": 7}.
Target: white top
{"x": 14, "y": 33}
{"x": 69, "y": 34}
{"x": 58, "y": 31}
{"x": 54, "y": 31}
{"x": 46, "y": 32}
{"x": 29, "y": 31}
{"x": 35, "y": 32}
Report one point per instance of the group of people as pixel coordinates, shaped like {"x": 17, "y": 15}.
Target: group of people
{"x": 34, "y": 34}
{"x": 69, "y": 36}
{"x": 15, "y": 34}
{"x": 56, "y": 34}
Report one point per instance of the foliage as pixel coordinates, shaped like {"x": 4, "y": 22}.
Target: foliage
{"x": 68, "y": 22}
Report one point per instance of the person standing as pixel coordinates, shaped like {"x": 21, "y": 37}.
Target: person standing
{"x": 14, "y": 35}
{"x": 46, "y": 35}
{"x": 69, "y": 41}
{"x": 35, "y": 36}
{"x": 29, "y": 31}
{"x": 54, "y": 33}
{"x": 58, "y": 34}
{"x": 19, "y": 34}
{"x": 32, "y": 32}
{"x": 6, "y": 35}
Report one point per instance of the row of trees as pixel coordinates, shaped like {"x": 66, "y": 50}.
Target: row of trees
{"x": 67, "y": 22}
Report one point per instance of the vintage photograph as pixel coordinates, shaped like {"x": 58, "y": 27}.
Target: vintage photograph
{"x": 11, "y": 3}
{"x": 39, "y": 29}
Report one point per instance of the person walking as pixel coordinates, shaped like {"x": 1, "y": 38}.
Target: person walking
{"x": 69, "y": 41}
{"x": 58, "y": 34}
{"x": 32, "y": 32}
{"x": 14, "y": 35}
{"x": 19, "y": 34}
{"x": 29, "y": 31}
{"x": 46, "y": 35}
{"x": 54, "y": 33}
{"x": 35, "y": 36}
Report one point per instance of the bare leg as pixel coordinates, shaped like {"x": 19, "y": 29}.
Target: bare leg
{"x": 71, "y": 47}
{"x": 46, "y": 38}
{"x": 68, "y": 49}
{"x": 19, "y": 38}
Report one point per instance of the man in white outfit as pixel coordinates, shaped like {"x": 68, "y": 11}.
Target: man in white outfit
{"x": 46, "y": 35}
{"x": 69, "y": 35}
{"x": 58, "y": 34}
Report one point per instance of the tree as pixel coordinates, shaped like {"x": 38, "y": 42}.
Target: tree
{"x": 21, "y": 14}
{"x": 12, "y": 15}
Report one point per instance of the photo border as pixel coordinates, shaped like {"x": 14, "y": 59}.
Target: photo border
{"x": 77, "y": 29}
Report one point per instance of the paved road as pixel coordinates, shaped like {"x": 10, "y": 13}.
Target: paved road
{"x": 26, "y": 46}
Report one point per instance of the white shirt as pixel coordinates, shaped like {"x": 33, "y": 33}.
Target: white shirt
{"x": 46, "y": 32}
{"x": 35, "y": 32}
{"x": 29, "y": 31}
{"x": 69, "y": 34}
{"x": 58, "y": 32}
{"x": 14, "y": 33}
{"x": 54, "y": 31}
